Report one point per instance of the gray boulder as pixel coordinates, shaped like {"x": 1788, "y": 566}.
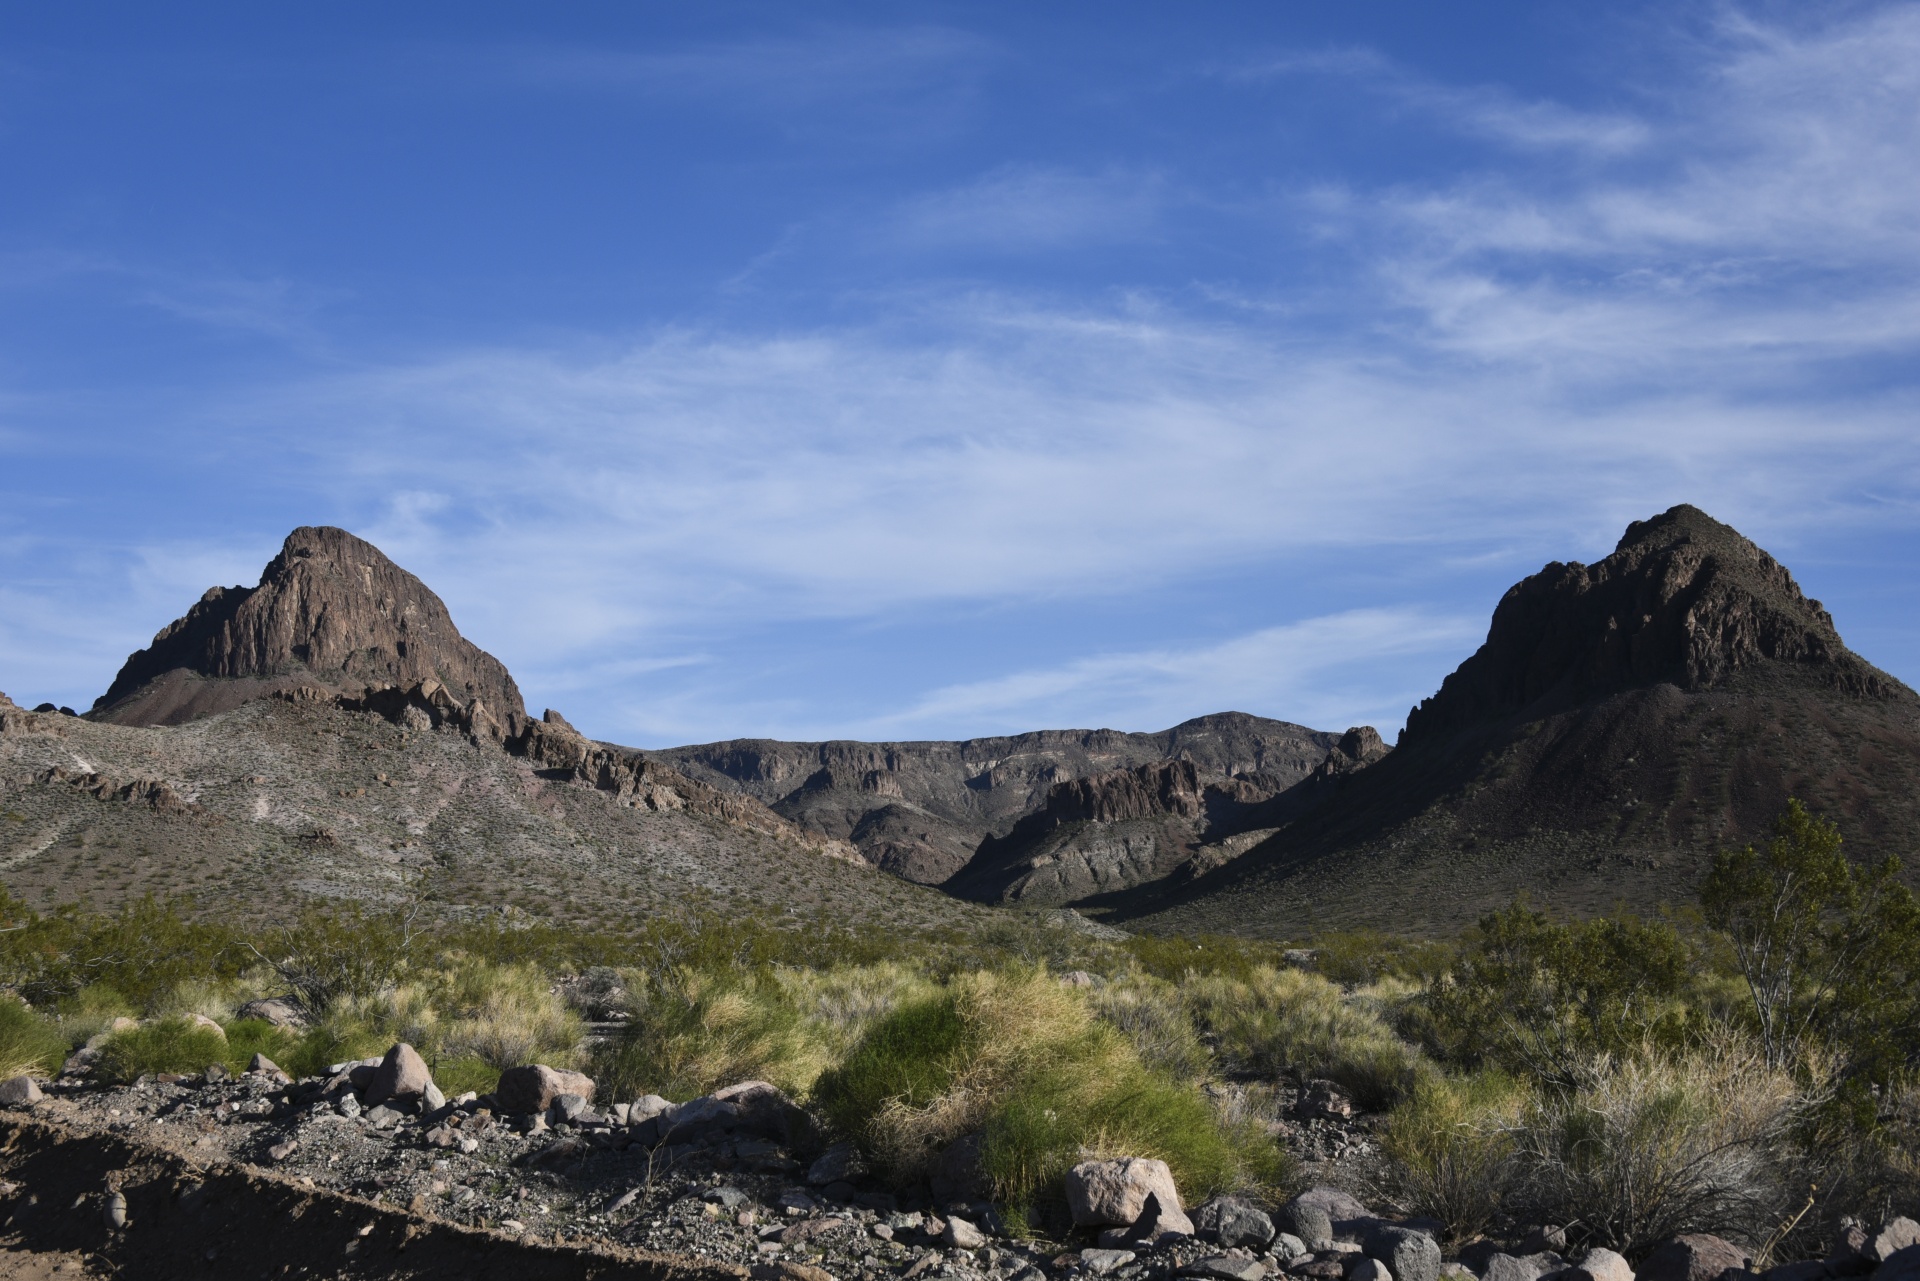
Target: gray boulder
{"x": 1409, "y": 1255}
{"x": 837, "y": 1164}
{"x": 1306, "y": 1220}
{"x": 281, "y": 1011}
{"x": 1233, "y": 1221}
{"x": 19, "y": 1092}
{"x": 1336, "y": 1204}
{"x": 1896, "y": 1236}
{"x": 1362, "y": 1268}
{"x": 1510, "y": 1267}
{"x": 1600, "y": 1264}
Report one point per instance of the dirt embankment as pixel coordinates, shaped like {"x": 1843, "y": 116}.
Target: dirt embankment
{"x": 62, "y": 1191}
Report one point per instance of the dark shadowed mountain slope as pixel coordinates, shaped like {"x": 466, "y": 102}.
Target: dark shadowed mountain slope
{"x": 331, "y": 613}
{"x": 1109, "y": 833}
{"x": 1623, "y": 720}
{"x": 921, "y": 810}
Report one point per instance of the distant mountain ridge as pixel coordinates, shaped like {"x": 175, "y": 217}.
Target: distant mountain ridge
{"x": 1622, "y": 721}
{"x": 922, "y": 809}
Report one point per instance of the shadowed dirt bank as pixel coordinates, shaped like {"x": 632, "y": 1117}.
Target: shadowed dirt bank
{"x": 186, "y": 1220}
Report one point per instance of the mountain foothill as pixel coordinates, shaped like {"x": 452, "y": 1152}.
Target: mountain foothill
{"x": 329, "y": 734}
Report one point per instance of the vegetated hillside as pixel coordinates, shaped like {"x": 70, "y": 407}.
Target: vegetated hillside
{"x": 330, "y": 733}
{"x": 1623, "y": 720}
{"x": 279, "y": 800}
{"x": 922, "y": 809}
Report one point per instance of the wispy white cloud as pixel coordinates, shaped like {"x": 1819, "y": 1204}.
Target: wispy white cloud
{"x": 1544, "y": 351}
{"x": 1486, "y": 111}
{"x": 1315, "y": 671}
{"x": 1029, "y": 208}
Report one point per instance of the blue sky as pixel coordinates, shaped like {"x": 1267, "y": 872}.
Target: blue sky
{"x": 925, "y": 370}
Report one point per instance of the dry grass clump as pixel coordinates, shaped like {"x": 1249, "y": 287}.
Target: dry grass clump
{"x": 1153, "y": 1014}
{"x": 1451, "y": 1149}
{"x": 1018, "y": 1060}
{"x": 839, "y": 1005}
{"x": 29, "y": 1044}
{"x": 468, "y": 1021}
{"x": 1646, "y": 1146}
{"x": 1276, "y": 1021}
{"x": 1664, "y": 1143}
{"x": 693, "y": 1032}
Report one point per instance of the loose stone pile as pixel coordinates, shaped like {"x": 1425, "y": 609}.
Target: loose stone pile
{"x": 743, "y": 1176}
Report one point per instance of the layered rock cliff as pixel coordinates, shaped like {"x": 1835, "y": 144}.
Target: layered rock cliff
{"x": 332, "y": 613}
{"x": 922, "y": 809}
{"x": 1143, "y": 828}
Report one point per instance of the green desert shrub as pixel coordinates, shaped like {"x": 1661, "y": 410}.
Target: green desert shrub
{"x": 1284, "y": 1021}
{"x": 29, "y": 1043}
{"x": 1019, "y": 1059}
{"x": 176, "y": 1044}
{"x": 248, "y": 1037}
{"x": 1541, "y": 999}
{"x": 1451, "y": 1149}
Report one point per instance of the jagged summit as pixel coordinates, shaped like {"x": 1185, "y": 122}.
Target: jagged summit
{"x": 333, "y": 613}
{"x": 1683, "y": 600}
{"x": 1623, "y": 721}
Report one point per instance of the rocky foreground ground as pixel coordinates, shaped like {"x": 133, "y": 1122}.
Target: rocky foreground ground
{"x": 741, "y": 1181}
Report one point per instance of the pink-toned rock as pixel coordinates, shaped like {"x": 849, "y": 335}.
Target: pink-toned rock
{"x": 533, "y": 1088}
{"x": 1113, "y": 1193}
{"x": 402, "y": 1077}
{"x": 1599, "y": 1265}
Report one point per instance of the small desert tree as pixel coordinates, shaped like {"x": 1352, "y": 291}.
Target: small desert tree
{"x": 1829, "y": 949}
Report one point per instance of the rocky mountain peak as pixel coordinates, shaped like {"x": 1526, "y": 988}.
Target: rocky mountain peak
{"x": 1683, "y": 600}
{"x": 331, "y": 612}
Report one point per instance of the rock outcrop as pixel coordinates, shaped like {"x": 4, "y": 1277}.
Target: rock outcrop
{"x": 1139, "y": 829}
{"x": 1622, "y": 721}
{"x": 331, "y": 613}
{"x": 922, "y": 809}
{"x": 635, "y": 779}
